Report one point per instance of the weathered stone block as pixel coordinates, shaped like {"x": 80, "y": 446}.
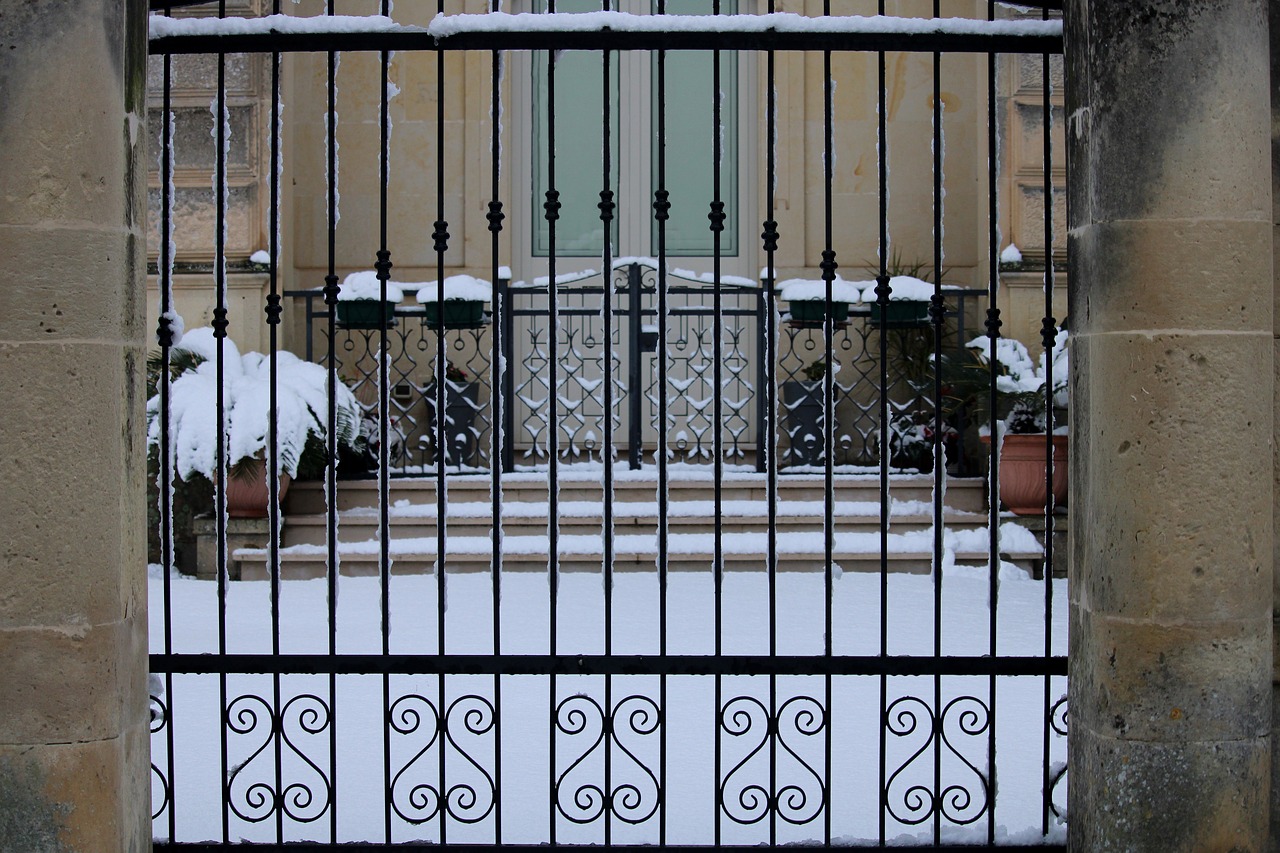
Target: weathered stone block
{"x": 1163, "y": 418}
{"x": 1173, "y": 274}
{"x": 1192, "y": 682}
{"x": 1185, "y": 797}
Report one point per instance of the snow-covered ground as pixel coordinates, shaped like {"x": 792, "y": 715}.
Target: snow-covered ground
{"x": 525, "y": 778}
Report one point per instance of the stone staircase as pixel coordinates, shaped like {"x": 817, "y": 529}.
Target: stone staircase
{"x": 800, "y": 512}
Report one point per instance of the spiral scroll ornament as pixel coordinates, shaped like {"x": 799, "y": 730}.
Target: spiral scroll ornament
{"x": 911, "y": 802}
{"x": 633, "y": 794}
{"x": 467, "y": 722}
{"x": 413, "y": 800}
{"x": 799, "y": 794}
{"x": 252, "y": 799}
{"x": 160, "y": 790}
{"x": 1059, "y": 722}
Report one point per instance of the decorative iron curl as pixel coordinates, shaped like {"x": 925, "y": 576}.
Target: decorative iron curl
{"x": 973, "y": 718}
{"x": 422, "y": 800}
{"x": 573, "y": 716}
{"x": 642, "y": 717}
{"x": 805, "y": 716}
{"x": 797, "y": 801}
{"x": 159, "y": 720}
{"x": 308, "y": 714}
{"x": 478, "y": 717}
{"x": 259, "y": 799}
{"x": 1059, "y": 721}
{"x": 901, "y": 719}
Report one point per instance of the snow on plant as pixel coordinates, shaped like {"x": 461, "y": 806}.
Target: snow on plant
{"x": 301, "y": 406}
{"x": 365, "y": 285}
{"x": 1021, "y": 381}
{"x": 807, "y": 290}
{"x": 464, "y": 287}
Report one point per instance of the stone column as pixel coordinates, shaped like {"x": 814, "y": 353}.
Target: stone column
{"x": 74, "y": 766}
{"x": 1274, "y": 27}
{"x": 1171, "y": 319}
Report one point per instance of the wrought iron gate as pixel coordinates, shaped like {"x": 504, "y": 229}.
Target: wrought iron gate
{"x": 681, "y": 704}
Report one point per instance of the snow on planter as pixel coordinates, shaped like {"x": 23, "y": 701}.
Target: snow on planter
{"x": 463, "y": 301}
{"x": 807, "y": 290}
{"x": 365, "y": 285}
{"x": 462, "y": 287}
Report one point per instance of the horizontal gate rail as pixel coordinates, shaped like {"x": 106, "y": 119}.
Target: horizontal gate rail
{"x": 304, "y": 847}
{"x": 469, "y": 32}
{"x": 541, "y": 664}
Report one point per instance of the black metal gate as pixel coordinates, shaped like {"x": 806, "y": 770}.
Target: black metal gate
{"x": 524, "y": 690}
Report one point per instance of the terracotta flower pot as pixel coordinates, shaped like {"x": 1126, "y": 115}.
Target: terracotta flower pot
{"x": 247, "y": 492}
{"x": 1022, "y": 474}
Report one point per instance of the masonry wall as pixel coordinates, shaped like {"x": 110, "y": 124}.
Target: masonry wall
{"x": 74, "y": 740}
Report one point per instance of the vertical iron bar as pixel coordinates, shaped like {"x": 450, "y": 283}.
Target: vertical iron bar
{"x": 1048, "y": 337}
{"x": 993, "y": 517}
{"x": 829, "y": 266}
{"x": 165, "y": 486}
{"x": 440, "y": 238}
{"x": 635, "y": 393}
{"x": 273, "y": 440}
{"x": 936, "y": 313}
{"x": 717, "y": 560}
{"x": 498, "y": 370}
{"x": 552, "y": 208}
{"x": 661, "y": 212}
{"x": 767, "y": 443}
{"x": 882, "y": 299}
{"x": 220, "y": 334}
{"x": 606, "y": 307}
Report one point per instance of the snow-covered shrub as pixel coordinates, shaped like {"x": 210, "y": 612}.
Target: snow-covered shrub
{"x": 1020, "y": 380}
{"x": 301, "y": 407}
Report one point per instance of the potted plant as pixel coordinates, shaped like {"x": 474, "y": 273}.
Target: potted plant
{"x": 461, "y": 402}
{"x": 807, "y": 300}
{"x": 911, "y": 442}
{"x": 1022, "y": 414}
{"x": 360, "y": 302}
{"x": 804, "y": 404}
{"x": 301, "y": 415}
{"x": 459, "y": 304}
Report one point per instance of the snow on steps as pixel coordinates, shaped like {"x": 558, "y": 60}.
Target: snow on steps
{"x": 962, "y": 494}
{"x": 744, "y": 522}
{"x": 852, "y": 551}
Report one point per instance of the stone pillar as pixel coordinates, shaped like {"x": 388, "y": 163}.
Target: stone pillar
{"x": 1171, "y": 320}
{"x": 74, "y": 766}
{"x": 1274, "y": 26}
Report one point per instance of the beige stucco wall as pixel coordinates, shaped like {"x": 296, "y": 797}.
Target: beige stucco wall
{"x": 800, "y": 183}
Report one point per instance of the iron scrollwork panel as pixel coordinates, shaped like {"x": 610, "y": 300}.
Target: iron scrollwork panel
{"x": 633, "y": 794}
{"x": 466, "y": 729}
{"x": 911, "y": 801}
{"x": 252, "y": 791}
{"x": 799, "y": 793}
{"x": 1059, "y": 723}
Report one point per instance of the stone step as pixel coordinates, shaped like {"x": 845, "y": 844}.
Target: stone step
{"x": 586, "y": 519}
{"x": 963, "y": 494}
{"x": 907, "y": 552}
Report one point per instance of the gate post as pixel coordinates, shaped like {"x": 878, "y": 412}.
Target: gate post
{"x": 1171, "y": 380}
{"x": 74, "y": 741}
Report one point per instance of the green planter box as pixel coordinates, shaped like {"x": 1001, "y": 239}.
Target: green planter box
{"x": 366, "y": 313}
{"x": 901, "y": 313}
{"x": 456, "y": 314}
{"x": 816, "y": 311}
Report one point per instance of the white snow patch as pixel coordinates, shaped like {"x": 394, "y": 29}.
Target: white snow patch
{"x": 455, "y": 287}
{"x": 365, "y": 285}
{"x": 806, "y": 290}
{"x": 1011, "y": 254}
